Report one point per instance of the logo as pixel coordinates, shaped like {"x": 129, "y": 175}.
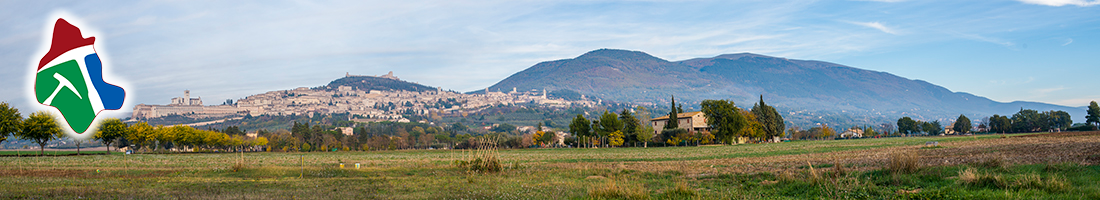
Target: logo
{"x": 70, "y": 78}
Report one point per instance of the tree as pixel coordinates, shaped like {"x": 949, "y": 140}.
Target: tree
{"x": 1000, "y": 124}
{"x": 1058, "y": 120}
{"x": 630, "y": 124}
{"x": 1093, "y": 117}
{"x": 164, "y": 137}
{"x": 752, "y": 128}
{"x": 503, "y": 128}
{"x": 1026, "y": 120}
{"x": 140, "y": 134}
{"x": 609, "y": 122}
{"x": 962, "y": 125}
{"x": 645, "y": 131}
{"x": 932, "y": 128}
{"x": 770, "y": 119}
{"x": 110, "y": 130}
{"x": 11, "y": 122}
{"x": 826, "y": 131}
{"x": 673, "y": 121}
{"x": 868, "y": 131}
{"x": 40, "y": 127}
{"x": 725, "y": 118}
{"x": 907, "y": 126}
{"x": 615, "y": 138}
{"x": 538, "y": 127}
{"x": 579, "y": 126}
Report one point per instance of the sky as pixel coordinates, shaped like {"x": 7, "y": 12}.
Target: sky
{"x": 1006, "y": 50}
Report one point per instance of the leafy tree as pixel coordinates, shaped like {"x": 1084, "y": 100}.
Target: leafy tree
{"x": 752, "y": 128}
{"x": 1057, "y": 120}
{"x": 40, "y": 127}
{"x": 770, "y": 119}
{"x": 580, "y": 126}
{"x": 673, "y": 121}
{"x": 644, "y": 132}
{"x": 164, "y": 137}
{"x": 110, "y": 130}
{"x": 962, "y": 125}
{"x": 868, "y": 131}
{"x": 826, "y": 131}
{"x": 615, "y": 138}
{"x": 1026, "y": 120}
{"x": 609, "y": 122}
{"x": 233, "y": 130}
{"x": 725, "y": 118}
{"x": 140, "y": 134}
{"x": 1093, "y": 116}
{"x": 907, "y": 126}
{"x": 630, "y": 124}
{"x": 1000, "y": 124}
{"x": 932, "y": 128}
{"x": 503, "y": 128}
{"x": 11, "y": 122}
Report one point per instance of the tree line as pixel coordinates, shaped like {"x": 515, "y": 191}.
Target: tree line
{"x": 41, "y": 127}
{"x": 725, "y": 122}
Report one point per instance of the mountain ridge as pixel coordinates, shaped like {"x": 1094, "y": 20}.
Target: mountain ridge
{"x": 797, "y": 85}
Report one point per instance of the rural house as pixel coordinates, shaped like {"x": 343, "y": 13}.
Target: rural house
{"x": 691, "y": 121}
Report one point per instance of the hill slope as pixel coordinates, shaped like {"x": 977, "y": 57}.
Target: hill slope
{"x": 810, "y": 91}
{"x": 367, "y": 83}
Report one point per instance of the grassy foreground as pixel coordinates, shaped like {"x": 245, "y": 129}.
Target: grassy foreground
{"x": 966, "y": 167}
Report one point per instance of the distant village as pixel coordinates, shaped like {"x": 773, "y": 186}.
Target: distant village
{"x": 367, "y": 106}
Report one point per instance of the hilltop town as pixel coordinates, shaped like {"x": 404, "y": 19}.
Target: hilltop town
{"x": 370, "y": 99}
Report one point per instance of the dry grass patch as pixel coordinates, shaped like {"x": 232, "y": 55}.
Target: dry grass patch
{"x": 904, "y": 162}
{"x": 612, "y": 190}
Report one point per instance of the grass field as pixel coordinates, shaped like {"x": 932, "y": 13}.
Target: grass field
{"x": 51, "y": 153}
{"x": 1040, "y": 166}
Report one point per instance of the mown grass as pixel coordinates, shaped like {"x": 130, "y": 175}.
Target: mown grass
{"x": 605, "y": 173}
{"x": 52, "y": 153}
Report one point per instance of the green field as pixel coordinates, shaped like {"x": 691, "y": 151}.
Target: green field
{"x": 50, "y": 153}
{"x": 965, "y": 167}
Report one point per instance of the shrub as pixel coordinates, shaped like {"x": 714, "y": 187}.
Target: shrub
{"x": 904, "y": 162}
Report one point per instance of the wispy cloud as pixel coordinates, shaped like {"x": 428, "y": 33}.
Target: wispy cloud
{"x": 1043, "y": 92}
{"x": 1068, "y": 41}
{"x": 980, "y": 38}
{"x": 876, "y": 25}
{"x": 1056, "y": 3}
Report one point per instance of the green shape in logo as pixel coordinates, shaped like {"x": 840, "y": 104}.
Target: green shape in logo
{"x": 62, "y": 86}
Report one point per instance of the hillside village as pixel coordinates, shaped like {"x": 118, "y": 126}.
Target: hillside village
{"x": 366, "y": 104}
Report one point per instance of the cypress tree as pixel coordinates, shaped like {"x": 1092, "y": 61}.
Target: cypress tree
{"x": 673, "y": 122}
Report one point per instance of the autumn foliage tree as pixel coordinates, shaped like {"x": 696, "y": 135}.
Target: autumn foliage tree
{"x": 110, "y": 130}
{"x": 11, "y": 122}
{"x": 41, "y": 128}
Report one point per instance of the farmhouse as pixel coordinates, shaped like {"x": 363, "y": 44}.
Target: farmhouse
{"x": 691, "y": 121}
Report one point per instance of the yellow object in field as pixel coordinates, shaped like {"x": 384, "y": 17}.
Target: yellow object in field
{"x": 341, "y": 165}
{"x": 356, "y": 165}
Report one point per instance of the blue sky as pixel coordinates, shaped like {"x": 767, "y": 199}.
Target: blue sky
{"x": 1029, "y": 50}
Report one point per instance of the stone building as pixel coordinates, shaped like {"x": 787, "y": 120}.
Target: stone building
{"x": 691, "y": 121}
